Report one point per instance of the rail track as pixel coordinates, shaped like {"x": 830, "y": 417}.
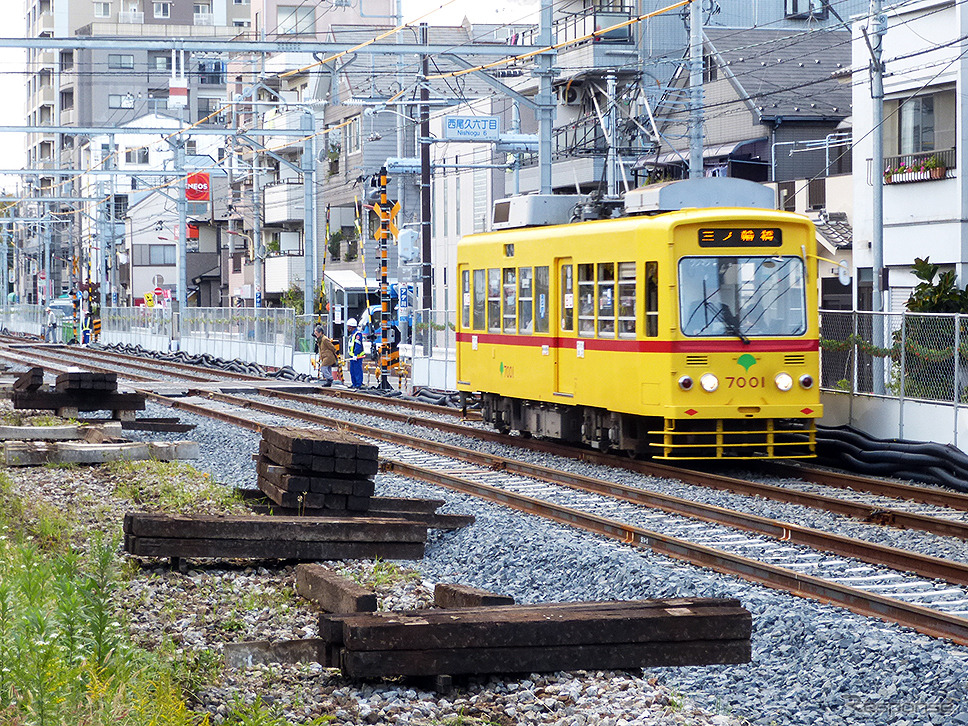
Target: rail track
{"x": 875, "y": 580}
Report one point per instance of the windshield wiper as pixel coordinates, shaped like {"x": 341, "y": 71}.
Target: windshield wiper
{"x": 732, "y": 324}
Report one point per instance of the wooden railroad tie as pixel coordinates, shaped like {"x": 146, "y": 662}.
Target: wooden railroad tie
{"x": 414, "y": 510}
{"x": 538, "y": 638}
{"x": 255, "y": 536}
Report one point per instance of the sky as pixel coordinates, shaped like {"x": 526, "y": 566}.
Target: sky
{"x": 12, "y": 60}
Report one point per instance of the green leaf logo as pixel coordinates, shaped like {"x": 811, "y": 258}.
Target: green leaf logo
{"x": 746, "y": 360}
{"x": 501, "y": 368}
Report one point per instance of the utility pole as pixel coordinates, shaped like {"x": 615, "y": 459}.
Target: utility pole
{"x": 695, "y": 90}
{"x": 181, "y": 296}
{"x": 309, "y": 213}
{"x": 546, "y": 106}
{"x": 875, "y": 46}
{"x": 426, "y": 243}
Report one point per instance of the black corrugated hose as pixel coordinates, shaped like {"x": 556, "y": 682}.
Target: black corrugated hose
{"x": 920, "y": 461}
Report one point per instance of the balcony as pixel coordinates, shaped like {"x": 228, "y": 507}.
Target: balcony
{"x": 204, "y": 19}
{"x": 283, "y": 119}
{"x": 284, "y": 271}
{"x": 594, "y": 20}
{"x": 131, "y": 17}
{"x": 920, "y": 167}
{"x": 284, "y": 202}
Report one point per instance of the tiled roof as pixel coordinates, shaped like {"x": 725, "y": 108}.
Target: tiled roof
{"x": 786, "y": 73}
{"x": 835, "y": 229}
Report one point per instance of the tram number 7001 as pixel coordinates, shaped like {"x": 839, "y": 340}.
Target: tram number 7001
{"x": 744, "y": 382}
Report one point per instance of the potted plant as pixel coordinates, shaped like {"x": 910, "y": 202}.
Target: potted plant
{"x": 934, "y": 167}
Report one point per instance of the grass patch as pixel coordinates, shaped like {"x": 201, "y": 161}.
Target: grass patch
{"x": 381, "y": 574}
{"x": 172, "y": 486}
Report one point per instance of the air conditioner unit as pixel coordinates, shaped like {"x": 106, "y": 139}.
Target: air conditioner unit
{"x": 569, "y": 94}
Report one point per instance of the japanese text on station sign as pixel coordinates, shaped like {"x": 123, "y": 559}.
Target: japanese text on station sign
{"x": 472, "y": 128}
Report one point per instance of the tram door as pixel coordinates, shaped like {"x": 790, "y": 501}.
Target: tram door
{"x": 566, "y": 363}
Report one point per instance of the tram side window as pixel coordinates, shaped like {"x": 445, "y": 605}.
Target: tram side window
{"x": 606, "y": 299}
{"x": 567, "y": 298}
{"x": 494, "y": 300}
{"x": 586, "y": 300}
{"x": 480, "y": 299}
{"x": 626, "y": 299}
{"x": 465, "y": 298}
{"x": 542, "y": 279}
{"x": 525, "y": 301}
{"x": 510, "y": 295}
{"x": 652, "y": 299}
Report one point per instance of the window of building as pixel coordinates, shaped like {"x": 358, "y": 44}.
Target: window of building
{"x": 806, "y": 9}
{"x": 241, "y": 23}
{"x": 211, "y": 72}
{"x": 120, "y": 60}
{"x": 567, "y": 289}
{"x": 120, "y": 100}
{"x": 66, "y": 60}
{"x": 710, "y": 71}
{"x": 510, "y": 297}
{"x": 202, "y": 9}
{"x": 136, "y": 155}
{"x": 494, "y": 300}
{"x": 120, "y": 205}
{"x": 162, "y": 10}
{"x": 67, "y": 100}
{"x": 293, "y": 19}
{"x": 157, "y": 255}
{"x": 160, "y": 61}
{"x": 525, "y": 301}
{"x": 480, "y": 299}
{"x": 916, "y": 125}
{"x": 240, "y": 2}
{"x": 352, "y": 134}
{"x": 191, "y": 147}
{"x": 102, "y": 10}
{"x": 626, "y": 299}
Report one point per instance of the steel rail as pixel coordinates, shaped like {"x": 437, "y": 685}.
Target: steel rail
{"x": 893, "y": 557}
{"x": 842, "y": 480}
{"x": 924, "y": 620}
{"x": 140, "y": 363}
{"x": 872, "y": 514}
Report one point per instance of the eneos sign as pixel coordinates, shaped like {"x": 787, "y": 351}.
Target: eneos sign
{"x": 197, "y": 187}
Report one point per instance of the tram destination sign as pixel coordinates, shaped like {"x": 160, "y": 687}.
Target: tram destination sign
{"x": 740, "y": 237}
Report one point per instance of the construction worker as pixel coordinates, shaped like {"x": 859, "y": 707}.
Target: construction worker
{"x": 354, "y": 353}
{"x": 326, "y": 355}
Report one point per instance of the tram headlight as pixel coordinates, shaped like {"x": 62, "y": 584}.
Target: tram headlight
{"x": 806, "y": 381}
{"x": 709, "y": 382}
{"x": 685, "y": 383}
{"x": 784, "y": 381}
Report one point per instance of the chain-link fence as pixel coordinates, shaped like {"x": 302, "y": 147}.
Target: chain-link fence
{"x": 434, "y": 350}
{"x": 27, "y": 319}
{"x": 150, "y": 328}
{"x": 257, "y": 335}
{"x": 920, "y": 356}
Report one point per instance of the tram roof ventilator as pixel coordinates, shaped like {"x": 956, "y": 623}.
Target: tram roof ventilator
{"x": 539, "y": 210}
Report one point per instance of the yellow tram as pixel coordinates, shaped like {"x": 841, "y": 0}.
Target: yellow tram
{"x": 688, "y": 334}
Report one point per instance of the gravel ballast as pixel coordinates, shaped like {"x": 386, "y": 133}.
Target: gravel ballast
{"x": 812, "y": 663}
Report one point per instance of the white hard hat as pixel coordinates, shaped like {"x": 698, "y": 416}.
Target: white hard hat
{"x": 351, "y": 323}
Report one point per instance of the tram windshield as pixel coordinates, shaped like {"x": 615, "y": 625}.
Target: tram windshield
{"x": 742, "y": 296}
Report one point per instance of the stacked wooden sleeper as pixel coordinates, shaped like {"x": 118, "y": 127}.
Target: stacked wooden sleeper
{"x": 316, "y": 470}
